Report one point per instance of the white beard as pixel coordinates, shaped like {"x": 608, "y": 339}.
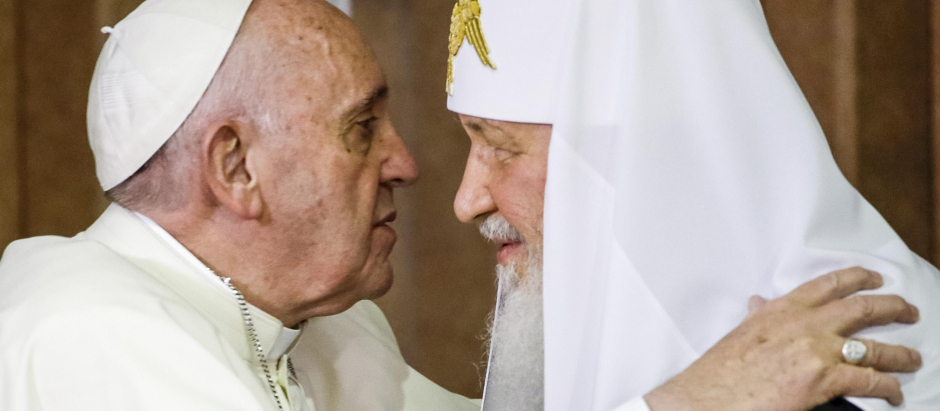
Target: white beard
{"x": 516, "y": 370}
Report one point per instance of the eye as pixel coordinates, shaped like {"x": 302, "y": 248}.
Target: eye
{"x": 367, "y": 123}
{"x": 503, "y": 154}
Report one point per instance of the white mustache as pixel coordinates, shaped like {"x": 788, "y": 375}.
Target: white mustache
{"x": 496, "y": 229}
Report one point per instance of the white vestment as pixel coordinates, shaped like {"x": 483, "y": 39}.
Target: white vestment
{"x": 117, "y": 319}
{"x": 686, "y": 173}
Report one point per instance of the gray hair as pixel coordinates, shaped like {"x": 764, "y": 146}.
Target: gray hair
{"x": 163, "y": 182}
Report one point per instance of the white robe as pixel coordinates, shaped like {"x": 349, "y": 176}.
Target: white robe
{"x": 115, "y": 319}
{"x": 686, "y": 173}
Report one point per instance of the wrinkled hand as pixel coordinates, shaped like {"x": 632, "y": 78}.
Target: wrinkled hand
{"x": 787, "y": 354}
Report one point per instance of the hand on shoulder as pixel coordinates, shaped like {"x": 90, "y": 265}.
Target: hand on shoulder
{"x": 787, "y": 354}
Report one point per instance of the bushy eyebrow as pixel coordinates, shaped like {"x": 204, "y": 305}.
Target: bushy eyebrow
{"x": 482, "y": 125}
{"x": 475, "y": 126}
{"x": 378, "y": 93}
{"x": 491, "y": 132}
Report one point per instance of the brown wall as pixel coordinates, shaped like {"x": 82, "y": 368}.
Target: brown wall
{"x": 48, "y": 182}
{"x": 9, "y": 151}
{"x": 867, "y": 68}
{"x": 444, "y": 287}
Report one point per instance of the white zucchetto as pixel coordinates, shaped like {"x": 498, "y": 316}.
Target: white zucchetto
{"x": 152, "y": 71}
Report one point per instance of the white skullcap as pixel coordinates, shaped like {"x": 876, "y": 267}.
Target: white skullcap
{"x": 152, "y": 71}
{"x": 524, "y": 39}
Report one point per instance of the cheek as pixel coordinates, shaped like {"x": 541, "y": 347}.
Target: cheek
{"x": 317, "y": 196}
{"x": 520, "y": 197}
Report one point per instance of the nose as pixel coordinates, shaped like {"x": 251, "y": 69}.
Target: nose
{"x": 473, "y": 197}
{"x": 399, "y": 169}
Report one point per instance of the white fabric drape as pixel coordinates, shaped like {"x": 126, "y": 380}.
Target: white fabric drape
{"x": 686, "y": 173}
{"x": 344, "y": 5}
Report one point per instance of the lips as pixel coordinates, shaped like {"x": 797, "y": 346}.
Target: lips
{"x": 387, "y": 219}
{"x": 508, "y": 250}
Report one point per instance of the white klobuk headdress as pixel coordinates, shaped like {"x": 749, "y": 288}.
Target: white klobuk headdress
{"x": 686, "y": 173}
{"x": 504, "y": 58}
{"x": 154, "y": 68}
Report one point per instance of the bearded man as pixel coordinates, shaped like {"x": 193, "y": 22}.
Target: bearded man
{"x": 248, "y": 150}
{"x": 634, "y": 298}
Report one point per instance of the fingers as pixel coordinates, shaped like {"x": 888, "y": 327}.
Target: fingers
{"x": 835, "y": 285}
{"x": 851, "y": 315}
{"x": 889, "y": 358}
{"x": 848, "y": 380}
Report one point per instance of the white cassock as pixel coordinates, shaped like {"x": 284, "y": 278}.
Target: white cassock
{"x": 123, "y": 317}
{"x": 686, "y": 173}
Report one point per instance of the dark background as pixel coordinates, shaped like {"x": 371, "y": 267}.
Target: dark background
{"x": 869, "y": 69}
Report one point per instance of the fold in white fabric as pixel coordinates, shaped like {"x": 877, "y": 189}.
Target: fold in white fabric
{"x": 686, "y": 173}
{"x": 285, "y": 340}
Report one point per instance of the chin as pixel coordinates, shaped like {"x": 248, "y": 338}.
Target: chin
{"x": 384, "y": 283}
{"x": 519, "y": 265}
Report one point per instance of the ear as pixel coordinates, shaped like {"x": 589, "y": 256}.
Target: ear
{"x": 231, "y": 178}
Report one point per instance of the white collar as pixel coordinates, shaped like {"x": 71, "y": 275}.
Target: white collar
{"x": 287, "y": 336}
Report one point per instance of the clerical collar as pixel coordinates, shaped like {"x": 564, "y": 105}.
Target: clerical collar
{"x": 286, "y": 337}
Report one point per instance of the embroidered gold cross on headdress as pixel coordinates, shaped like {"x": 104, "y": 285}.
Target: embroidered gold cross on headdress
{"x": 465, "y": 22}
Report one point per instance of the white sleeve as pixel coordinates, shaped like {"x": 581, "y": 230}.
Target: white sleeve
{"x": 636, "y": 404}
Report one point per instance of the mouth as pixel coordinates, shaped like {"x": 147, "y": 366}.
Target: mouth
{"x": 508, "y": 251}
{"x": 387, "y": 219}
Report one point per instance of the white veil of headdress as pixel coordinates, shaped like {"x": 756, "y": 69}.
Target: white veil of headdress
{"x": 686, "y": 173}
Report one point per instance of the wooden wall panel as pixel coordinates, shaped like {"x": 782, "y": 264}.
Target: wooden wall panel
{"x": 60, "y": 43}
{"x": 935, "y": 118}
{"x": 894, "y": 126}
{"x": 454, "y": 263}
{"x": 805, "y": 34}
{"x": 843, "y": 137}
{"x": 865, "y": 69}
{"x": 444, "y": 281}
{"x": 380, "y": 23}
{"x": 9, "y": 149}
{"x": 817, "y": 40}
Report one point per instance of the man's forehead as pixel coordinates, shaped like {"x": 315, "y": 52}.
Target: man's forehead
{"x": 305, "y": 30}
{"x": 483, "y": 123}
{"x": 317, "y": 54}
{"x": 499, "y": 132}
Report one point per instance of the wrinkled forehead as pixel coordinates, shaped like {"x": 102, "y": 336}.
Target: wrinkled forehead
{"x": 312, "y": 50}
{"x": 497, "y": 132}
{"x": 311, "y": 33}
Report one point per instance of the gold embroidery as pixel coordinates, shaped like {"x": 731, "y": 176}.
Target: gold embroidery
{"x": 465, "y": 22}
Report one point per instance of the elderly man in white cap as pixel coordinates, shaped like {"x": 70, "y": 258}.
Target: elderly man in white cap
{"x": 682, "y": 172}
{"x": 248, "y": 150}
